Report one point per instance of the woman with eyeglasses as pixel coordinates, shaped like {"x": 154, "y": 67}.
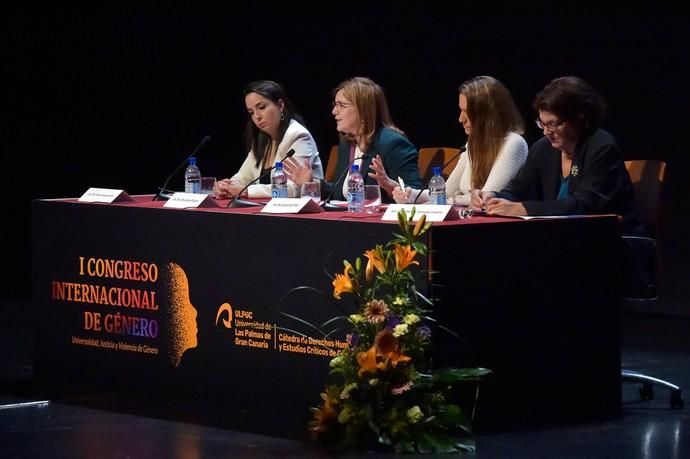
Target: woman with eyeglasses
{"x": 273, "y": 129}
{"x": 368, "y": 138}
{"x": 576, "y": 168}
{"x": 495, "y": 148}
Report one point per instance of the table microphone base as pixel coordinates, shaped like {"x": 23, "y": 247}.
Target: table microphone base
{"x": 163, "y": 195}
{"x": 237, "y": 203}
{"x": 328, "y": 207}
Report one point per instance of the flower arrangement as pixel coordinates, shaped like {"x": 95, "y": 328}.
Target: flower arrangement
{"x": 389, "y": 394}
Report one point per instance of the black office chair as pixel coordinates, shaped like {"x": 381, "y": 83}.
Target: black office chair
{"x": 647, "y": 177}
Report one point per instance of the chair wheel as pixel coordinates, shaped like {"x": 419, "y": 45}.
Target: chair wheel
{"x": 647, "y": 392}
{"x": 677, "y": 401}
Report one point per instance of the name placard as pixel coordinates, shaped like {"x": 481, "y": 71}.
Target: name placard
{"x": 434, "y": 213}
{"x": 291, "y": 206}
{"x": 181, "y": 200}
{"x": 104, "y": 195}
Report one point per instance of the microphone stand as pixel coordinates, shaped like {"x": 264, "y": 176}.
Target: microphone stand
{"x": 327, "y": 206}
{"x": 238, "y": 202}
{"x": 163, "y": 192}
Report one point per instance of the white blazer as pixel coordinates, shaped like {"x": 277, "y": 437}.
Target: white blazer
{"x": 296, "y": 137}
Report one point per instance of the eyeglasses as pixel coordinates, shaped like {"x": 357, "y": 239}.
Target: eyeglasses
{"x": 551, "y": 126}
{"x": 341, "y": 105}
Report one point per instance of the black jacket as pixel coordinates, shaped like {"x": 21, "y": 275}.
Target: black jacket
{"x": 599, "y": 182}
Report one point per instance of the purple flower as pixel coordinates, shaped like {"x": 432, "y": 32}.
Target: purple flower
{"x": 393, "y": 321}
{"x": 424, "y": 333}
{"x": 353, "y": 338}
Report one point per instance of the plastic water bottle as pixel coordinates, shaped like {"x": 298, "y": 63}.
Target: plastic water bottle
{"x": 279, "y": 187}
{"x": 192, "y": 177}
{"x": 437, "y": 188}
{"x": 355, "y": 190}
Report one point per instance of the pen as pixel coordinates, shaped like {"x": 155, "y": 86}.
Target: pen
{"x": 402, "y": 184}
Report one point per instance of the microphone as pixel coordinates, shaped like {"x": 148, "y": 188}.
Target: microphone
{"x": 462, "y": 149}
{"x": 327, "y": 206}
{"x": 163, "y": 192}
{"x": 237, "y": 202}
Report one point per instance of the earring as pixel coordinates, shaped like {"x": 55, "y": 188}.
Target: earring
{"x": 282, "y": 116}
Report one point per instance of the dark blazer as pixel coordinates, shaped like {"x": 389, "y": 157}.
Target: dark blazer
{"x": 598, "y": 184}
{"x": 399, "y": 158}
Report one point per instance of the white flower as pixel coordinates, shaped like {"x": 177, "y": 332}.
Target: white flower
{"x": 410, "y": 319}
{"x": 356, "y": 318}
{"x": 336, "y": 361}
{"x": 414, "y": 414}
{"x": 373, "y": 381}
{"x": 344, "y": 415}
{"x": 400, "y": 300}
{"x": 400, "y": 330}
{"x": 345, "y": 393}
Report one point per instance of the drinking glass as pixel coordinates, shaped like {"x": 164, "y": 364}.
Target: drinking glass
{"x": 208, "y": 185}
{"x": 465, "y": 212}
{"x": 312, "y": 190}
{"x": 372, "y": 199}
{"x": 461, "y": 198}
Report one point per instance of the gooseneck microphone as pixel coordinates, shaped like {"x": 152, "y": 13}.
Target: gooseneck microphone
{"x": 237, "y": 202}
{"x": 462, "y": 149}
{"x": 327, "y": 206}
{"x": 163, "y": 192}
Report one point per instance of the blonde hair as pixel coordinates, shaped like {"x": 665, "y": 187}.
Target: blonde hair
{"x": 493, "y": 115}
{"x": 369, "y": 100}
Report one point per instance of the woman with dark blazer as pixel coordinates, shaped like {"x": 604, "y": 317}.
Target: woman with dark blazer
{"x": 576, "y": 168}
{"x": 369, "y": 139}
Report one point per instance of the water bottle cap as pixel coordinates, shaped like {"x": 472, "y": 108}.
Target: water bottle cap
{"x": 354, "y": 168}
{"x": 279, "y": 164}
{"x": 192, "y": 161}
{"x": 436, "y": 170}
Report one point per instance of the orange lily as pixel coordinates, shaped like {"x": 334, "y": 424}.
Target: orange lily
{"x": 375, "y": 262}
{"x": 343, "y": 282}
{"x": 367, "y": 361}
{"x": 387, "y": 345}
{"x": 404, "y": 256}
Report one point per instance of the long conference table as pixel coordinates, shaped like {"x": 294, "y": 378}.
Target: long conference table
{"x": 215, "y": 315}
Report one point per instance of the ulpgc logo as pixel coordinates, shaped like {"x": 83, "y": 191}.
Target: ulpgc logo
{"x": 225, "y": 307}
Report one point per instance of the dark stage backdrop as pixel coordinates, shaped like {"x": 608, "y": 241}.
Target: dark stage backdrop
{"x": 118, "y": 98}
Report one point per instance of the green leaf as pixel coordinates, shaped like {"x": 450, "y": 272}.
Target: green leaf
{"x": 453, "y": 415}
{"x": 466, "y": 445}
{"x": 423, "y": 298}
{"x": 419, "y": 247}
{"x": 443, "y": 444}
{"x": 402, "y": 221}
{"x": 451, "y": 375}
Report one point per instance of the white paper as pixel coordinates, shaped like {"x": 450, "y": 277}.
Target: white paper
{"x": 104, "y": 195}
{"x": 190, "y": 201}
{"x": 291, "y": 206}
{"x": 433, "y": 213}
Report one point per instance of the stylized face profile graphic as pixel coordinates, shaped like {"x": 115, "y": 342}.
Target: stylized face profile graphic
{"x": 181, "y": 314}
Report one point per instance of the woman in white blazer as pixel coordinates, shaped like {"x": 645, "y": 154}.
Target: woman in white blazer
{"x": 495, "y": 149}
{"x": 273, "y": 129}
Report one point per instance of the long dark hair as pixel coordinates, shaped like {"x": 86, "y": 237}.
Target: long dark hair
{"x": 572, "y": 99}
{"x": 257, "y": 140}
{"x": 493, "y": 114}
